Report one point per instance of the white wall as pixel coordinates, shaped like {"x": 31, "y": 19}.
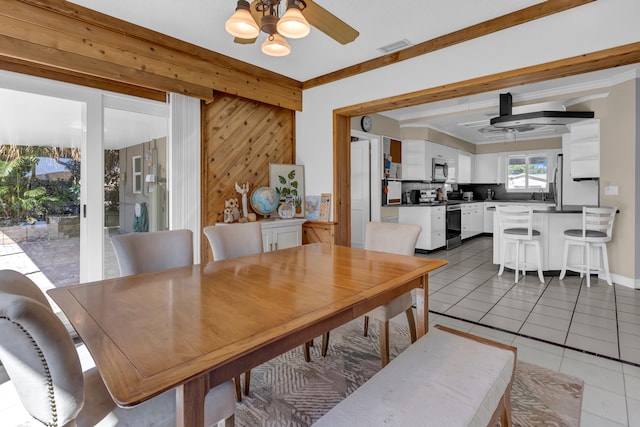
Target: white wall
{"x": 595, "y": 26}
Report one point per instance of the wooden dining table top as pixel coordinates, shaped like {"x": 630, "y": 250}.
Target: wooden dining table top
{"x": 152, "y": 332}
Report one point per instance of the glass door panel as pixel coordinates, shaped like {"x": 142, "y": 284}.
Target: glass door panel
{"x": 135, "y": 171}
{"x": 40, "y": 176}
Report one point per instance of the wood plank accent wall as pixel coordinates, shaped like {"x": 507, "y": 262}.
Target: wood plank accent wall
{"x": 240, "y": 137}
{"x": 65, "y": 41}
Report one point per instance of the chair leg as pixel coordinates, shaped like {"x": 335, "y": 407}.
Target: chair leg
{"x": 366, "y": 326}
{"x": 247, "y": 382}
{"x": 231, "y": 421}
{"x": 325, "y": 344}
{"x": 236, "y": 382}
{"x": 565, "y": 258}
{"x": 412, "y": 324}
{"x": 605, "y": 263}
{"x": 307, "y": 352}
{"x": 384, "y": 343}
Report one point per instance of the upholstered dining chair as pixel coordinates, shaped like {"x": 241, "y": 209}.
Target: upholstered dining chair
{"x": 231, "y": 241}
{"x": 153, "y": 251}
{"x": 396, "y": 239}
{"x": 43, "y": 364}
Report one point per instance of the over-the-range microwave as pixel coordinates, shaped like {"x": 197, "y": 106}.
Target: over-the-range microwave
{"x": 440, "y": 170}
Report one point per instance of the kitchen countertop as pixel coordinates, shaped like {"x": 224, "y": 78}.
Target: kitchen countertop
{"x": 458, "y": 202}
{"x": 566, "y": 209}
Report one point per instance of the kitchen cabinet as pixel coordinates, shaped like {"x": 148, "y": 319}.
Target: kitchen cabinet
{"x": 416, "y": 163}
{"x": 281, "y": 233}
{"x": 584, "y": 149}
{"x": 488, "y": 168}
{"x": 488, "y": 216}
{"x": 465, "y": 168}
{"x": 472, "y": 220}
{"x": 432, "y": 219}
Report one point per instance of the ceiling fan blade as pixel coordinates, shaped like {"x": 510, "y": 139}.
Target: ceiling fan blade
{"x": 328, "y": 23}
{"x": 244, "y": 41}
{"x": 257, "y": 16}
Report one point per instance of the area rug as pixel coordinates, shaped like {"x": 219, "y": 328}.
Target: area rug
{"x": 287, "y": 391}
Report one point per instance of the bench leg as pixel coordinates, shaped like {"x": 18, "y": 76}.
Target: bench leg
{"x": 307, "y": 352}
{"x": 506, "y": 408}
{"x": 366, "y": 326}
{"x": 412, "y": 324}
{"x": 325, "y": 344}
{"x": 247, "y": 382}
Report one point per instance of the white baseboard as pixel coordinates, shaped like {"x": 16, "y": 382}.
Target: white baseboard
{"x": 623, "y": 281}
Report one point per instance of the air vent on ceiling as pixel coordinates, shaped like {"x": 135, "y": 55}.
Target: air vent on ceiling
{"x": 395, "y": 46}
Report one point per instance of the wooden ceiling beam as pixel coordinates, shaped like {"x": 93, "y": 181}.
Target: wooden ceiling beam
{"x": 482, "y": 29}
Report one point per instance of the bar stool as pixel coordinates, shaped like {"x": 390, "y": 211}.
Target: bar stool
{"x": 516, "y": 227}
{"x": 597, "y": 228}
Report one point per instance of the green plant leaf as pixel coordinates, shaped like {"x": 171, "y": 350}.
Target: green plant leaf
{"x": 282, "y": 180}
{"x": 292, "y": 174}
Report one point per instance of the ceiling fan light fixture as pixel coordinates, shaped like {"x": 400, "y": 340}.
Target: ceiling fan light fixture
{"x": 241, "y": 24}
{"x": 276, "y": 45}
{"x": 292, "y": 24}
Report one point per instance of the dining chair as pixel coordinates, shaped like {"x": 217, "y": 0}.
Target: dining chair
{"x": 43, "y": 364}
{"x": 396, "y": 239}
{"x": 231, "y": 241}
{"x": 596, "y": 232}
{"x": 516, "y": 227}
{"x": 152, "y": 251}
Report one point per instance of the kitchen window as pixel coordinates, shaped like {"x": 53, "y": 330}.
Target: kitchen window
{"x": 528, "y": 172}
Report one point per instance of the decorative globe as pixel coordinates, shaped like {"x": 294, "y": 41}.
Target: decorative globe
{"x": 264, "y": 200}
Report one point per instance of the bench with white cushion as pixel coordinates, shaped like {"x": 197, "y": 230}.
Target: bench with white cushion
{"x": 446, "y": 379}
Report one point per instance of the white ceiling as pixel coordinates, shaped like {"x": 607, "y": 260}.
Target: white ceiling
{"x": 380, "y": 23}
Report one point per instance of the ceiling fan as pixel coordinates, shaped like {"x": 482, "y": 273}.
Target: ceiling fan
{"x": 264, "y": 15}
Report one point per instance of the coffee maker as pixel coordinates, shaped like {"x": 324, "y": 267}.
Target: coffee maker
{"x": 490, "y": 194}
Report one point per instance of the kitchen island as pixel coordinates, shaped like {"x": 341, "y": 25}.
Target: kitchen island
{"x": 551, "y": 223}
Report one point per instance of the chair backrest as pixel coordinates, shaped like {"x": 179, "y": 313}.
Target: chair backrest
{"x": 153, "y": 251}
{"x": 234, "y": 240}
{"x": 38, "y": 353}
{"x": 391, "y": 237}
{"x": 598, "y": 219}
{"x": 516, "y": 218}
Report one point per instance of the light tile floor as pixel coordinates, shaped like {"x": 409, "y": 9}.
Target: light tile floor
{"x": 560, "y": 324}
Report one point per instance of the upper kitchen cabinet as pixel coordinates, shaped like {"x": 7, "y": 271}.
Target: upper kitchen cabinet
{"x": 465, "y": 172}
{"x": 416, "y": 160}
{"x": 582, "y": 148}
{"x": 488, "y": 168}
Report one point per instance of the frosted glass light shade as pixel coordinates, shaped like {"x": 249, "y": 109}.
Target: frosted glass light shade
{"x": 276, "y": 45}
{"x": 241, "y": 24}
{"x": 293, "y": 25}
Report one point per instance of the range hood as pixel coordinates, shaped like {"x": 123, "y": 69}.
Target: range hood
{"x": 508, "y": 120}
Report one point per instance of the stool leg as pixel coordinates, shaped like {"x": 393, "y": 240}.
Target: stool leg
{"x": 587, "y": 265}
{"x": 517, "y": 261}
{"x": 605, "y": 263}
{"x": 503, "y": 250}
{"x": 540, "y": 276}
{"x": 565, "y": 257}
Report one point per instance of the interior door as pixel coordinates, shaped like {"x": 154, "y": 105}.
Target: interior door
{"x": 360, "y": 191}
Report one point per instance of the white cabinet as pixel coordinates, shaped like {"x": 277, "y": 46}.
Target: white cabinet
{"x": 472, "y": 220}
{"x": 464, "y": 168}
{"x": 416, "y": 163}
{"x": 433, "y": 222}
{"x": 281, "y": 233}
{"x": 488, "y": 168}
{"x": 584, "y": 149}
{"x": 488, "y": 216}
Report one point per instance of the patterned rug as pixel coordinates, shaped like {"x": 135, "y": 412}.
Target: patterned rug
{"x": 287, "y": 391}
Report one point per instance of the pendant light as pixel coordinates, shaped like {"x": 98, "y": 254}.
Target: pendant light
{"x": 276, "y": 45}
{"x": 241, "y": 24}
{"x": 293, "y": 25}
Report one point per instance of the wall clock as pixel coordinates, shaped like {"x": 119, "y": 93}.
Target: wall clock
{"x": 366, "y": 123}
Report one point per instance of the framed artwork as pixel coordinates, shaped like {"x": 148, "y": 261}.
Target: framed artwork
{"x": 137, "y": 174}
{"x": 312, "y": 207}
{"x": 288, "y": 180}
{"x": 325, "y": 206}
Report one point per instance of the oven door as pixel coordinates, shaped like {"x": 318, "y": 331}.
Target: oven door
{"x": 454, "y": 226}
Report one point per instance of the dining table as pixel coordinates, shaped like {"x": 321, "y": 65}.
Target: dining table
{"x": 192, "y": 328}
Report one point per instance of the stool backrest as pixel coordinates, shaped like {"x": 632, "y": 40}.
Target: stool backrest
{"x": 516, "y": 218}
{"x": 598, "y": 219}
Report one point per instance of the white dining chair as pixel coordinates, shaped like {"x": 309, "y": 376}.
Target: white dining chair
{"x": 596, "y": 232}
{"x": 43, "y": 364}
{"x": 516, "y": 228}
{"x": 153, "y": 251}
